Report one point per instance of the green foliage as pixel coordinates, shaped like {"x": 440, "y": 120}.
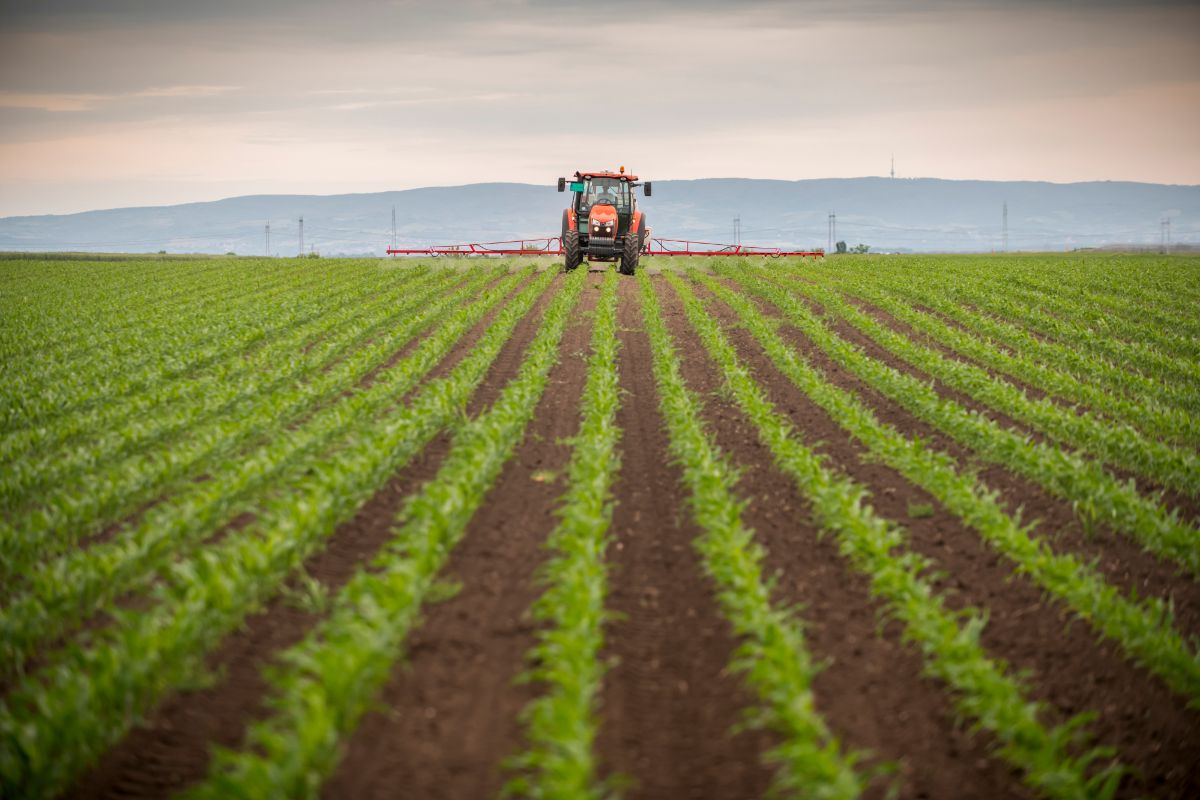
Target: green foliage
{"x": 772, "y": 657}
{"x": 322, "y": 686}
{"x": 561, "y": 725}
{"x": 1143, "y": 628}
{"x": 949, "y": 640}
{"x": 55, "y": 725}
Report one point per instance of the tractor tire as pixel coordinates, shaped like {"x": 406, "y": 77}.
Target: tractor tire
{"x": 630, "y": 253}
{"x": 571, "y": 250}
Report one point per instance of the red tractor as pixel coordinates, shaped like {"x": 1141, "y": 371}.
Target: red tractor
{"x": 603, "y": 222}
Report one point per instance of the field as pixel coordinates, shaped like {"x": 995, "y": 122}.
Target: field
{"x": 443, "y": 529}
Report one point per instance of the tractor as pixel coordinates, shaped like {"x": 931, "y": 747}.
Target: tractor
{"x": 603, "y": 222}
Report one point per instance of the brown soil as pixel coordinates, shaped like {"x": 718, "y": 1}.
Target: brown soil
{"x": 1188, "y": 507}
{"x": 872, "y": 694}
{"x": 1071, "y": 668}
{"x": 452, "y": 712}
{"x": 238, "y": 520}
{"x": 669, "y": 705}
{"x": 171, "y": 749}
{"x": 1119, "y": 559}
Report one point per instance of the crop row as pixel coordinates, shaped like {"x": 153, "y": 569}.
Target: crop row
{"x": 193, "y": 342}
{"x": 66, "y": 307}
{"x": 84, "y": 439}
{"x": 1143, "y": 628}
{"x": 326, "y": 682}
{"x": 985, "y": 694}
{"x": 1097, "y": 496}
{"x": 1001, "y": 316}
{"x": 64, "y": 591}
{"x": 71, "y": 511}
{"x": 57, "y": 722}
{"x": 1152, "y": 419}
{"x": 773, "y": 655}
{"x": 561, "y": 724}
{"x": 1003, "y": 328}
{"x": 1116, "y": 445}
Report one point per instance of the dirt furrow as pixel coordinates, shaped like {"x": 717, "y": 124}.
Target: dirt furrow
{"x": 450, "y": 715}
{"x": 1117, "y": 557}
{"x": 1188, "y": 507}
{"x": 171, "y": 748}
{"x": 872, "y": 693}
{"x": 669, "y": 707}
{"x": 1070, "y": 668}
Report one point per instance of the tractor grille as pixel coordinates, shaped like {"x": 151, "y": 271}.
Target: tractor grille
{"x": 605, "y": 242}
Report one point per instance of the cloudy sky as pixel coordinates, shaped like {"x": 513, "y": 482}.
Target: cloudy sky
{"x": 134, "y": 102}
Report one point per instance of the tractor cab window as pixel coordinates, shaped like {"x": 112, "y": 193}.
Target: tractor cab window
{"x": 605, "y": 190}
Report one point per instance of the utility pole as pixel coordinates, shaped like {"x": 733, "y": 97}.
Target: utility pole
{"x": 268, "y": 238}
{"x": 1004, "y": 229}
{"x": 302, "y": 236}
{"x": 393, "y": 228}
{"x": 737, "y": 229}
{"x": 832, "y": 231}
{"x": 1168, "y": 221}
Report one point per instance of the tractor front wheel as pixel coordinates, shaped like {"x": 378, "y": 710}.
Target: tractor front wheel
{"x": 630, "y": 253}
{"x": 570, "y": 244}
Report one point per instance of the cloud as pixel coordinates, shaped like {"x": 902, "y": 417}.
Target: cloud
{"x": 389, "y": 95}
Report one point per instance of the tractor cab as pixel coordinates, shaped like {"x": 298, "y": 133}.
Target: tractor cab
{"x": 603, "y": 222}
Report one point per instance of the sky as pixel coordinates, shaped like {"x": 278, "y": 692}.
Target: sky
{"x": 109, "y": 103}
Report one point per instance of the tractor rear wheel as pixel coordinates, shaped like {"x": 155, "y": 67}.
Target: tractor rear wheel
{"x": 570, "y": 244}
{"x": 630, "y": 253}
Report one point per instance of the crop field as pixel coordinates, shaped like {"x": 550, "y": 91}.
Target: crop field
{"x": 926, "y": 527}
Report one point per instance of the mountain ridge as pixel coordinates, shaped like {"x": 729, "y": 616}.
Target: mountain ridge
{"x": 897, "y": 214}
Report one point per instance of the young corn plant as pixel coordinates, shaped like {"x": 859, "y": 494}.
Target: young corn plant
{"x": 1142, "y": 628}
{"x": 325, "y": 684}
{"x": 1116, "y": 445}
{"x": 561, "y": 724}
{"x": 984, "y": 693}
{"x": 61, "y": 593}
{"x": 1151, "y": 418}
{"x": 772, "y": 656}
{"x": 54, "y": 723}
{"x": 1097, "y": 496}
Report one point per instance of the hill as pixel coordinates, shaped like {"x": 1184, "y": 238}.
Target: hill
{"x": 919, "y": 215}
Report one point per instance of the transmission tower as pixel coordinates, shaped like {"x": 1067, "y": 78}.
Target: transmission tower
{"x": 268, "y": 238}
{"x": 302, "y": 236}
{"x": 892, "y": 174}
{"x": 1004, "y": 229}
{"x": 393, "y": 228}
{"x": 737, "y": 229}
